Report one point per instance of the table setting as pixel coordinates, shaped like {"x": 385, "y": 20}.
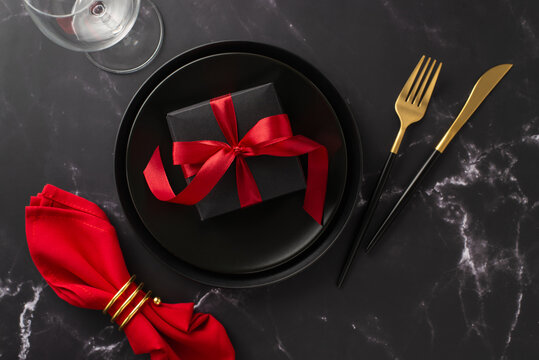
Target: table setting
{"x": 228, "y": 180}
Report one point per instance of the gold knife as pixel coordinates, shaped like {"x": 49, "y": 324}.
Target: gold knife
{"x": 480, "y": 91}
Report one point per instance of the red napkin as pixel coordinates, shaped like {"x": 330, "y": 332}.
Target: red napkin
{"x": 76, "y": 250}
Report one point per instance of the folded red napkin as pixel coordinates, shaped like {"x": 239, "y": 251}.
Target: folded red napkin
{"x": 76, "y": 250}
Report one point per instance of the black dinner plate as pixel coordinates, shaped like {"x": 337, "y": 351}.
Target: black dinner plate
{"x": 263, "y": 243}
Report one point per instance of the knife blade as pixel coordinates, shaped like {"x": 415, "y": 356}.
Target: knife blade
{"x": 480, "y": 91}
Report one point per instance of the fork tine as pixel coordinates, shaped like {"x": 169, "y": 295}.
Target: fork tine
{"x": 417, "y": 82}
{"x": 408, "y": 85}
{"x": 425, "y": 101}
{"x": 420, "y": 92}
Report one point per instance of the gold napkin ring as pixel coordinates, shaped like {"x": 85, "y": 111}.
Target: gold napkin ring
{"x": 118, "y": 294}
{"x": 156, "y": 300}
{"x": 135, "y": 310}
{"x": 126, "y": 302}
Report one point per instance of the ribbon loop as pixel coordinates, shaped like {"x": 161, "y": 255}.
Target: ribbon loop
{"x": 208, "y": 160}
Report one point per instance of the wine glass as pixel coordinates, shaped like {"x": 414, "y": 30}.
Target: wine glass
{"x": 120, "y": 36}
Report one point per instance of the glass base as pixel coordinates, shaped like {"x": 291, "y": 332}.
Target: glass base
{"x": 138, "y": 48}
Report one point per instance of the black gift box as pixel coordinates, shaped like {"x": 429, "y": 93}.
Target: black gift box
{"x": 274, "y": 176}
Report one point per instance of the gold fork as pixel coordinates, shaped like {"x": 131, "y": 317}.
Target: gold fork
{"x": 411, "y": 103}
{"x": 410, "y": 106}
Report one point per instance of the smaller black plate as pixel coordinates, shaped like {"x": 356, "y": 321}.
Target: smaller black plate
{"x": 253, "y": 239}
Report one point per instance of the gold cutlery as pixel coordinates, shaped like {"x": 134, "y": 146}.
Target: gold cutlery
{"x": 480, "y": 91}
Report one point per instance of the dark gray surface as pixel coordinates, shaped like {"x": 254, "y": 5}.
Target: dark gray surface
{"x": 455, "y": 277}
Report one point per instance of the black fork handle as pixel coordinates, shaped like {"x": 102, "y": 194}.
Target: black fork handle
{"x": 403, "y": 200}
{"x": 359, "y": 233}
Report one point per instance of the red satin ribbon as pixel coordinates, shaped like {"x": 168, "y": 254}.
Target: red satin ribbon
{"x": 208, "y": 160}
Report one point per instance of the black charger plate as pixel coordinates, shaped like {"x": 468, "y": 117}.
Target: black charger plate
{"x": 269, "y": 241}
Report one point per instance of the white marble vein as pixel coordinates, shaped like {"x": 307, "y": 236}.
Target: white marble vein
{"x": 281, "y": 347}
{"x": 207, "y": 300}
{"x": 372, "y": 332}
{"x": 271, "y": 5}
{"x": 479, "y": 259}
{"x": 107, "y": 344}
{"x": 74, "y": 173}
{"x": 395, "y": 14}
{"x": 98, "y": 346}
{"x": 428, "y": 139}
{"x": 391, "y": 193}
{"x": 423, "y": 305}
{"x": 529, "y": 34}
{"x": 522, "y": 282}
{"x": 9, "y": 289}
{"x": 108, "y": 204}
{"x": 25, "y": 321}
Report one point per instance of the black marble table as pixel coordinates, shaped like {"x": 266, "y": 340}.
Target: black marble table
{"x": 455, "y": 277}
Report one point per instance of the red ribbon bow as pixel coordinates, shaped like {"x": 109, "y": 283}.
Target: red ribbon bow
{"x": 209, "y": 160}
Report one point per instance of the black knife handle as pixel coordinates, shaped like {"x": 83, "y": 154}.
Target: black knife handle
{"x": 403, "y": 200}
{"x": 360, "y": 231}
